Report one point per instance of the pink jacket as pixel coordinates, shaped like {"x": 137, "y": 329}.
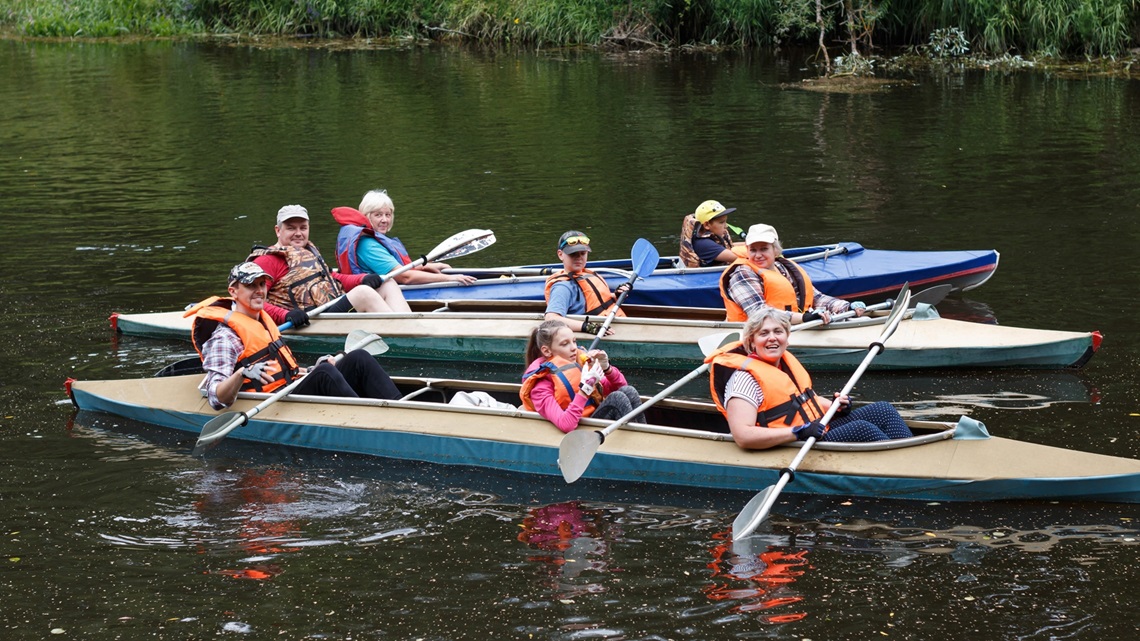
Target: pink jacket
{"x": 566, "y": 419}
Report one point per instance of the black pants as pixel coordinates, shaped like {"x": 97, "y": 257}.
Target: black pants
{"x": 357, "y": 375}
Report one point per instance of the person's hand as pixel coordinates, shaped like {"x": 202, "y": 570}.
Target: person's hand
{"x": 372, "y": 280}
{"x": 462, "y": 279}
{"x": 602, "y": 360}
{"x": 808, "y": 317}
{"x": 859, "y": 307}
{"x": 327, "y": 358}
{"x": 586, "y": 387}
{"x": 623, "y": 288}
{"x": 258, "y": 372}
{"x": 844, "y": 404}
{"x": 298, "y": 317}
{"x": 813, "y": 429}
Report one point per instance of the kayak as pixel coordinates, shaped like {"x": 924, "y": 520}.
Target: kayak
{"x": 666, "y": 337}
{"x": 681, "y": 443}
{"x": 844, "y": 270}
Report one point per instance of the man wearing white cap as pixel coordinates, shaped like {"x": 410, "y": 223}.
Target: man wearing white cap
{"x": 241, "y": 349}
{"x": 302, "y": 280}
{"x": 766, "y": 279}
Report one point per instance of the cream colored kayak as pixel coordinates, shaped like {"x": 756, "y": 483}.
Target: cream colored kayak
{"x": 683, "y": 443}
{"x": 666, "y": 337}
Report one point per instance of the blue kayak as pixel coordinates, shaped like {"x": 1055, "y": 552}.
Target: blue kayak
{"x": 844, "y": 270}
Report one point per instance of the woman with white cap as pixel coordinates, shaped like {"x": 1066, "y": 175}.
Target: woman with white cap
{"x": 765, "y": 279}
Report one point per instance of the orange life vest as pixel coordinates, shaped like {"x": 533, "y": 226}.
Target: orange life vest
{"x": 779, "y": 292}
{"x": 259, "y": 338}
{"x": 566, "y": 376}
{"x": 309, "y": 281}
{"x": 599, "y": 298}
{"x": 789, "y": 399}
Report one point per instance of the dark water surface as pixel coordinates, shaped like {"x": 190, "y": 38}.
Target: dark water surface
{"x": 132, "y": 176}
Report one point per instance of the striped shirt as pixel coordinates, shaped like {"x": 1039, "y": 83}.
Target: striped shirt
{"x": 743, "y": 385}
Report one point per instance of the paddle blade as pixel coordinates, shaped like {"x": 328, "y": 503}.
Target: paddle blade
{"x": 461, "y": 244}
{"x": 752, "y": 515}
{"x": 645, "y": 258}
{"x": 576, "y": 451}
{"x": 713, "y": 342}
{"x": 361, "y": 339}
{"x": 898, "y": 309}
{"x": 930, "y": 295}
{"x": 213, "y": 432}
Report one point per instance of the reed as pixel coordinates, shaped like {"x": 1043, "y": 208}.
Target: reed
{"x": 1088, "y": 28}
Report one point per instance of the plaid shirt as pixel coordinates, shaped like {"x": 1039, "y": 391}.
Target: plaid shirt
{"x": 747, "y": 289}
{"x": 219, "y": 358}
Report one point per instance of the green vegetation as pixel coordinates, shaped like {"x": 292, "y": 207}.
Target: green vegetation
{"x": 1072, "y": 28}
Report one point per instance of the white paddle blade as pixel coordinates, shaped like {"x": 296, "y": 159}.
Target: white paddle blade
{"x": 752, "y": 515}
{"x": 461, "y": 244}
{"x": 930, "y": 295}
{"x": 576, "y": 451}
{"x": 713, "y": 342}
{"x": 361, "y": 339}
{"x": 213, "y": 431}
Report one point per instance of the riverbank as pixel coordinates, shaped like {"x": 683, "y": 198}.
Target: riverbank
{"x": 851, "y": 32}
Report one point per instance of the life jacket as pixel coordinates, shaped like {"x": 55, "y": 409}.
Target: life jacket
{"x": 599, "y": 298}
{"x": 259, "y": 338}
{"x": 691, "y": 230}
{"x": 309, "y": 281}
{"x": 779, "y": 292}
{"x": 566, "y": 376}
{"x": 789, "y": 399}
{"x": 353, "y": 227}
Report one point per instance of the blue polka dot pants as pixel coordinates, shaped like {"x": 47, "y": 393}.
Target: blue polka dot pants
{"x": 875, "y": 422}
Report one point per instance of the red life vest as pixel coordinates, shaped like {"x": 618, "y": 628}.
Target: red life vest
{"x": 309, "y": 281}
{"x": 779, "y": 292}
{"x": 789, "y": 399}
{"x": 355, "y": 226}
{"x": 566, "y": 376}
{"x": 259, "y": 338}
{"x": 599, "y": 298}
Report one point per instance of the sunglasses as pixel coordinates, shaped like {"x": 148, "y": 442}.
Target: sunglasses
{"x": 575, "y": 240}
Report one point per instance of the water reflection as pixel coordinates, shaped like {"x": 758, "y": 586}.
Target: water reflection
{"x": 570, "y": 539}
{"x": 255, "y": 503}
{"x": 758, "y": 574}
{"x": 596, "y": 558}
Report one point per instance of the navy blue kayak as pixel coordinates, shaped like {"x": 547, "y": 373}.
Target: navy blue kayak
{"x": 844, "y": 270}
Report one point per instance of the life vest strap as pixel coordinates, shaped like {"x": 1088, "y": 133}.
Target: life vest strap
{"x": 787, "y": 412}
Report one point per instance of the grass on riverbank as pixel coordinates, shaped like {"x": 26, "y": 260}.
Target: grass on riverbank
{"x": 1073, "y": 28}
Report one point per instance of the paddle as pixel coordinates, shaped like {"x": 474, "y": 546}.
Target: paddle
{"x": 644, "y": 257}
{"x": 461, "y": 244}
{"x": 223, "y": 424}
{"x": 757, "y": 509}
{"x": 577, "y": 448}
{"x": 930, "y": 296}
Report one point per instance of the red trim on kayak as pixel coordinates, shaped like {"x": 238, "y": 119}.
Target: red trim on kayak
{"x": 1097, "y": 338}
{"x": 114, "y": 318}
{"x": 929, "y": 281}
{"x": 67, "y": 387}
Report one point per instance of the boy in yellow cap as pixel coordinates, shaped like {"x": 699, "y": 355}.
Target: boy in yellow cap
{"x": 705, "y": 239}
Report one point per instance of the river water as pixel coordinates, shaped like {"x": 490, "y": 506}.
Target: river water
{"x": 132, "y": 176}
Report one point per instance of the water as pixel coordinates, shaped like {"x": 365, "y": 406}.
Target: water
{"x": 132, "y": 176}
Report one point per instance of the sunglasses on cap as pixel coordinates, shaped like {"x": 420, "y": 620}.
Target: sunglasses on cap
{"x": 574, "y": 240}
